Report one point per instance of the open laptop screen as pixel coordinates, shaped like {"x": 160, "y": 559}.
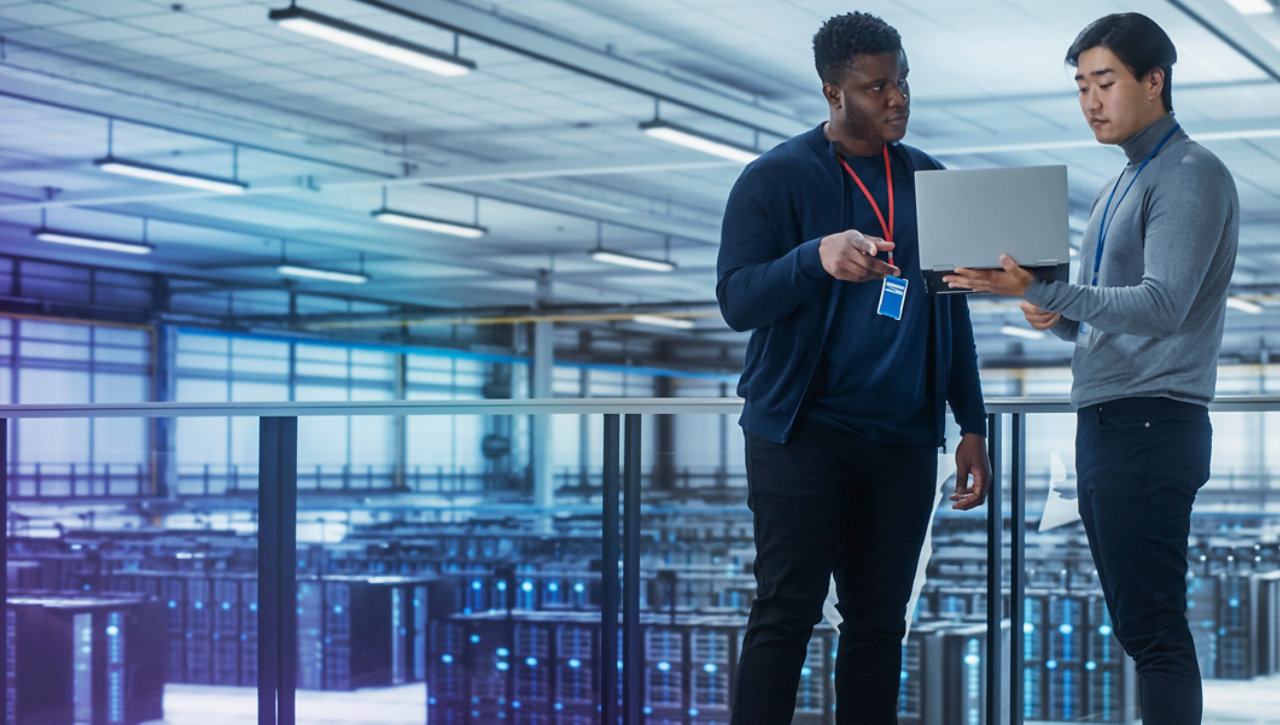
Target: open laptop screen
{"x": 969, "y": 217}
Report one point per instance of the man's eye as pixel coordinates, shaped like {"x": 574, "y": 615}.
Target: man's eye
{"x": 1107, "y": 85}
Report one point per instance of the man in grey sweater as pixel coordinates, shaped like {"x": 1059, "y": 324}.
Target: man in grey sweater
{"x": 1146, "y": 318}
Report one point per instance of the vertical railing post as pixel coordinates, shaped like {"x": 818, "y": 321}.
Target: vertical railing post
{"x": 277, "y": 569}
{"x": 1017, "y": 554}
{"x": 4, "y": 565}
{"x": 995, "y": 572}
{"x": 631, "y": 644}
{"x": 611, "y": 541}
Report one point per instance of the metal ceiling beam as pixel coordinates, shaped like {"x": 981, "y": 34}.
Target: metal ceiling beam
{"x": 463, "y": 173}
{"x": 1231, "y": 27}
{"x": 509, "y": 33}
{"x": 142, "y": 111}
{"x": 1016, "y": 143}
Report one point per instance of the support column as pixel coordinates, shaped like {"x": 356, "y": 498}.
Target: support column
{"x": 995, "y": 575}
{"x": 400, "y": 428}
{"x": 611, "y": 548}
{"x": 4, "y": 564}
{"x": 1017, "y": 558}
{"x": 277, "y": 570}
{"x": 664, "y": 438}
{"x": 540, "y": 426}
{"x": 164, "y": 470}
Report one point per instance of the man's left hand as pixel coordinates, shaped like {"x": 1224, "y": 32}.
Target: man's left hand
{"x": 973, "y": 472}
{"x": 1011, "y": 281}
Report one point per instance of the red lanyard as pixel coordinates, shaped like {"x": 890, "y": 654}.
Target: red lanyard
{"x": 888, "y": 174}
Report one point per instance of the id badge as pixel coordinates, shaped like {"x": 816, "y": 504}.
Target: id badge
{"x": 1084, "y": 335}
{"x": 892, "y": 294}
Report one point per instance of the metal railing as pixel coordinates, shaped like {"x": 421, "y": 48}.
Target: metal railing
{"x": 277, "y": 501}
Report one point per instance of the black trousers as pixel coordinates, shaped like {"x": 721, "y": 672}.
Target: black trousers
{"x": 829, "y": 502}
{"x": 1139, "y": 463}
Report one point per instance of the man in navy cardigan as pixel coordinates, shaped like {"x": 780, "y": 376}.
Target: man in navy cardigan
{"x": 845, "y": 396}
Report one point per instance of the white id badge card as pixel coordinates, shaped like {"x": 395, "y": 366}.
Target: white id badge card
{"x": 1084, "y": 334}
{"x": 892, "y": 294}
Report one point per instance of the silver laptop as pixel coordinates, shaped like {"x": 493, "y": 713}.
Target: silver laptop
{"x": 969, "y": 217}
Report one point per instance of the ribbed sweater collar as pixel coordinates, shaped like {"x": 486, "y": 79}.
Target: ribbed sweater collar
{"x": 1141, "y": 143}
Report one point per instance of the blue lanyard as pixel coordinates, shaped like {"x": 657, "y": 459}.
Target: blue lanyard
{"x": 1103, "y": 226}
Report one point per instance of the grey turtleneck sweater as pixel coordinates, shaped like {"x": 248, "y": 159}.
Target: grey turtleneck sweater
{"x": 1157, "y": 312}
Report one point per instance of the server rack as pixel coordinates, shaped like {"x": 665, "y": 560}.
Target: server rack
{"x": 954, "y": 674}
{"x": 1110, "y": 679}
{"x": 1237, "y": 609}
{"x": 1202, "y": 617}
{"x": 1268, "y": 622}
{"x": 89, "y": 660}
{"x": 1064, "y": 629}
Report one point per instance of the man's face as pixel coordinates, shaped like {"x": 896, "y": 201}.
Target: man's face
{"x": 1115, "y": 103}
{"x": 872, "y": 101}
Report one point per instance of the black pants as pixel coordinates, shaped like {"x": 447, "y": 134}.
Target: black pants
{"x": 1139, "y": 463}
{"x": 829, "y": 502}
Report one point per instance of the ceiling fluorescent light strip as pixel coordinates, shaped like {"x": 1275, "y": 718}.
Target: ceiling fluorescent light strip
{"x": 623, "y": 259}
{"x": 1252, "y": 7}
{"x": 678, "y": 323}
{"x": 328, "y": 275}
{"x": 1024, "y": 333}
{"x": 431, "y": 224}
{"x": 368, "y": 41}
{"x": 691, "y": 139}
{"x": 1249, "y": 306}
{"x": 92, "y": 242}
{"x": 168, "y": 175}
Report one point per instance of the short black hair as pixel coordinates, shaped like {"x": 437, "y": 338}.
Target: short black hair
{"x": 1137, "y": 41}
{"x": 844, "y": 36}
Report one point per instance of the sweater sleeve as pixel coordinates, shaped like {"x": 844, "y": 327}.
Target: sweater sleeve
{"x": 759, "y": 281}
{"x": 964, "y": 389}
{"x": 1187, "y": 213}
{"x": 1065, "y": 329}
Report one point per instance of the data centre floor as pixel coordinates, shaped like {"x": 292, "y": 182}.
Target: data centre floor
{"x": 1227, "y": 702}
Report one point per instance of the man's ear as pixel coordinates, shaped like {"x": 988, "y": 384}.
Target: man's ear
{"x": 833, "y": 94}
{"x": 1155, "y": 83}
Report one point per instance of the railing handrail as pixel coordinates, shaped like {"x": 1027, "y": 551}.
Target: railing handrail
{"x": 547, "y": 406}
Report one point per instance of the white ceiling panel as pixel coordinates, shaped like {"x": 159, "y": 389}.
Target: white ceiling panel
{"x": 534, "y": 132}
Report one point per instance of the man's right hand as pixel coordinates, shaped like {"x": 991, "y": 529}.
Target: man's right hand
{"x": 851, "y": 256}
{"x": 1038, "y": 318}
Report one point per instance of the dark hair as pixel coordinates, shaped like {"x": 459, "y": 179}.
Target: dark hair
{"x": 1137, "y": 41}
{"x": 844, "y": 36}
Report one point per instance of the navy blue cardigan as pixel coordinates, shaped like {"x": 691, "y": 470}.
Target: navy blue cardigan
{"x": 781, "y": 207}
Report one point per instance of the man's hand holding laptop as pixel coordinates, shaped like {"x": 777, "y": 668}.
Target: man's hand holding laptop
{"x": 1009, "y": 281}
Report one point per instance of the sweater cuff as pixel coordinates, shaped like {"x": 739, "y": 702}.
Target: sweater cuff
{"x": 1038, "y": 292}
{"x": 809, "y": 262}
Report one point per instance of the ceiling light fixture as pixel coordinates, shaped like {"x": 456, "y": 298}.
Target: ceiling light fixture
{"x": 631, "y": 260}
{"x": 458, "y": 229}
{"x": 355, "y": 37}
{"x": 1249, "y": 306}
{"x": 697, "y": 140}
{"x": 301, "y": 271}
{"x": 679, "y": 323}
{"x": 430, "y": 224}
{"x": 168, "y": 175}
{"x": 92, "y": 242}
{"x": 328, "y": 275}
{"x": 625, "y": 259}
{"x": 1252, "y": 7}
{"x": 1024, "y": 333}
